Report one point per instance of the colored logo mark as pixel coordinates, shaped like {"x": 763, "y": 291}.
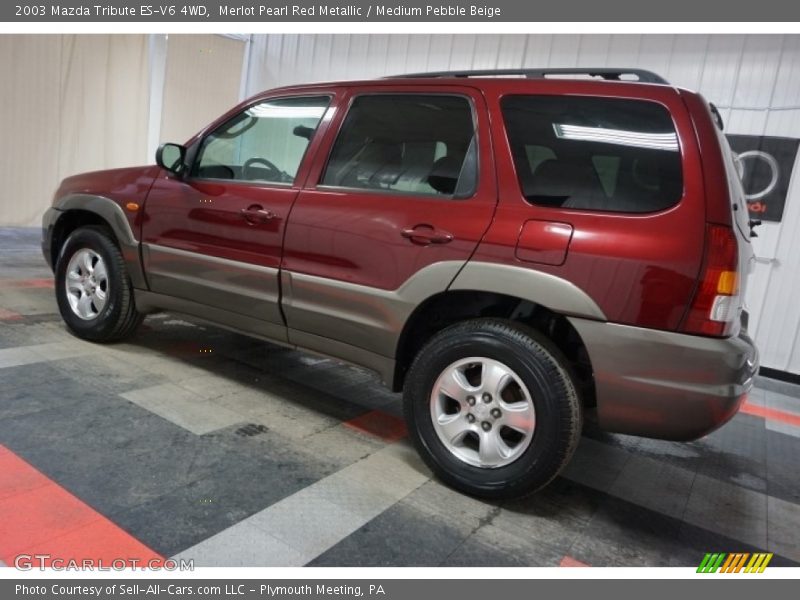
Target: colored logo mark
{"x": 722, "y": 562}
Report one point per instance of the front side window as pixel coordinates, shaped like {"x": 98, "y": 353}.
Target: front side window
{"x": 406, "y": 143}
{"x": 264, "y": 143}
{"x": 587, "y": 153}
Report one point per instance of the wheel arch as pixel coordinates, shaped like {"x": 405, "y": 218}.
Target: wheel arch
{"x": 452, "y": 306}
{"x": 80, "y": 210}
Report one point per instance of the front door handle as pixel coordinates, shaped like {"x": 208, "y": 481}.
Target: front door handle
{"x": 256, "y": 214}
{"x": 427, "y": 234}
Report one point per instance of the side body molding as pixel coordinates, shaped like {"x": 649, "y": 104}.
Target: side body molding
{"x": 559, "y": 295}
{"x": 364, "y": 317}
{"x": 112, "y": 213}
{"x": 362, "y": 325}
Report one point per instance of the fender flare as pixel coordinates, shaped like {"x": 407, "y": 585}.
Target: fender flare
{"x": 553, "y": 292}
{"x": 112, "y": 213}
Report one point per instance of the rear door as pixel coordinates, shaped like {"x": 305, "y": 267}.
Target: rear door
{"x": 390, "y": 213}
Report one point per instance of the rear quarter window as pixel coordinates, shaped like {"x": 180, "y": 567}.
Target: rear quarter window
{"x": 596, "y": 154}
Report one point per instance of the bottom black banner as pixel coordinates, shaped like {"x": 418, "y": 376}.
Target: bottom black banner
{"x": 390, "y": 589}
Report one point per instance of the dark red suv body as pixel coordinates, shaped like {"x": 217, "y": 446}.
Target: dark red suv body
{"x": 510, "y": 252}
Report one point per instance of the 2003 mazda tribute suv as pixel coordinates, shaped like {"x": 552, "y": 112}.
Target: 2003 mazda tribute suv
{"x": 510, "y": 252}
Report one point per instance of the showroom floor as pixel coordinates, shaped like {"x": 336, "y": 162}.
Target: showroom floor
{"x": 195, "y": 442}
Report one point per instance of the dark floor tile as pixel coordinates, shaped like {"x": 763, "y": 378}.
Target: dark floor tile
{"x": 399, "y": 537}
{"x": 30, "y": 388}
{"x": 188, "y": 515}
{"x": 494, "y": 547}
{"x": 88, "y": 421}
{"x": 623, "y": 534}
{"x": 736, "y": 453}
{"x": 696, "y": 542}
{"x": 555, "y": 516}
{"x": 109, "y": 375}
{"x": 783, "y": 458}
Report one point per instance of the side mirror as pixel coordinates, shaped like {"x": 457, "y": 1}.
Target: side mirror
{"x": 172, "y": 158}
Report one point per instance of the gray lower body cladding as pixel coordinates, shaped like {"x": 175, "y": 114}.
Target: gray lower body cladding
{"x": 666, "y": 385}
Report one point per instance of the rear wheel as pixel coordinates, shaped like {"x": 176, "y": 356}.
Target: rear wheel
{"x": 93, "y": 289}
{"x": 492, "y": 408}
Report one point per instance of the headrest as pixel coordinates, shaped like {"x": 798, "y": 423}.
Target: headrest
{"x": 554, "y": 182}
{"x": 444, "y": 174}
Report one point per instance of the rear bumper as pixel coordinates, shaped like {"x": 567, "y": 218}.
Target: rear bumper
{"x": 666, "y": 385}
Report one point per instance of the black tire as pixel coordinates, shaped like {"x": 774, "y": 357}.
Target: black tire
{"x": 118, "y": 319}
{"x": 539, "y": 365}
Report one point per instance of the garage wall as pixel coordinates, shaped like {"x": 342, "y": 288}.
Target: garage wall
{"x": 70, "y": 104}
{"x": 754, "y": 80}
{"x": 76, "y": 103}
{"x": 201, "y": 82}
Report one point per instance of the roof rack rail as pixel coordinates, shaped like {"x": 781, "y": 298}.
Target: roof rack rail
{"x": 642, "y": 76}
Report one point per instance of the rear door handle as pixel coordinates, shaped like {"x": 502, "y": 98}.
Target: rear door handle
{"x": 427, "y": 234}
{"x": 256, "y": 214}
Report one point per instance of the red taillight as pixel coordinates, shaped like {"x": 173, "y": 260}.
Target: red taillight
{"x": 715, "y": 306}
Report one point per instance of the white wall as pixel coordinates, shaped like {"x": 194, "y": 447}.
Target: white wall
{"x": 76, "y": 103}
{"x": 70, "y": 103}
{"x": 754, "y": 80}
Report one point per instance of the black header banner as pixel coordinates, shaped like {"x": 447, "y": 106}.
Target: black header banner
{"x": 41, "y": 11}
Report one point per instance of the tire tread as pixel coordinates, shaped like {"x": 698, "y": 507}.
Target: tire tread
{"x": 555, "y": 370}
{"x": 129, "y": 318}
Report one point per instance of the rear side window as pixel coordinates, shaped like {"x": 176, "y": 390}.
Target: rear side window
{"x": 406, "y": 143}
{"x": 587, "y": 153}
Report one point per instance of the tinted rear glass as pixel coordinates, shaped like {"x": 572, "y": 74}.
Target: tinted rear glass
{"x": 591, "y": 153}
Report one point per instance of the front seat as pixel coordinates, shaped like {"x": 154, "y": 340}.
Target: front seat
{"x": 445, "y": 173}
{"x": 379, "y": 165}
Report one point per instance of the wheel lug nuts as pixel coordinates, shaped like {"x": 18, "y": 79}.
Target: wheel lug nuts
{"x": 496, "y": 413}
{"x": 471, "y": 418}
{"x": 471, "y": 400}
{"x": 487, "y": 397}
{"x": 486, "y": 425}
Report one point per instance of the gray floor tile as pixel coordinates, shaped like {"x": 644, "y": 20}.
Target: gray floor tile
{"x": 783, "y": 528}
{"x": 184, "y": 408}
{"x": 729, "y": 510}
{"x": 14, "y": 357}
{"x": 596, "y": 465}
{"x": 778, "y": 401}
{"x": 784, "y": 428}
{"x": 652, "y": 484}
{"x": 242, "y": 546}
{"x": 782, "y": 387}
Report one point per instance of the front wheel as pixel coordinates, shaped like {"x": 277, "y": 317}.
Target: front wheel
{"x": 93, "y": 289}
{"x": 492, "y": 408}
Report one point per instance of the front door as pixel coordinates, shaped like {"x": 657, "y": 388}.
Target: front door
{"x": 213, "y": 238}
{"x": 388, "y": 218}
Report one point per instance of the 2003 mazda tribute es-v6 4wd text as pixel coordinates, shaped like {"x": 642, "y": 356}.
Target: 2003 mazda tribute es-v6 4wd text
{"x": 511, "y": 250}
